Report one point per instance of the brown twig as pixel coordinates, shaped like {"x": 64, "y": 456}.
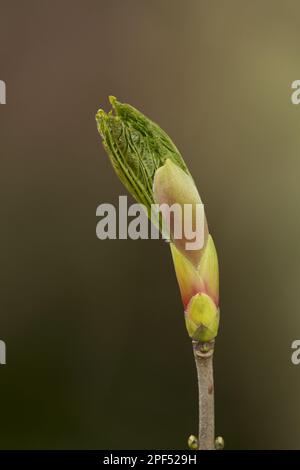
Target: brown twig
{"x": 203, "y": 353}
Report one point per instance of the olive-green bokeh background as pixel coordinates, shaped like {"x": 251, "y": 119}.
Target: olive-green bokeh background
{"x": 97, "y": 352}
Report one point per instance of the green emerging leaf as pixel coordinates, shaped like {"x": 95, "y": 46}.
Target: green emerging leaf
{"x": 137, "y": 147}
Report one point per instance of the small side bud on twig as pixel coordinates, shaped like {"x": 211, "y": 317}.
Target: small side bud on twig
{"x": 193, "y": 442}
{"x": 219, "y": 443}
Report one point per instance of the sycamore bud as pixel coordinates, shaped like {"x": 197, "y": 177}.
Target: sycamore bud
{"x": 152, "y": 169}
{"x": 196, "y": 270}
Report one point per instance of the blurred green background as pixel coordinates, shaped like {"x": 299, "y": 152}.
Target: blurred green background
{"x": 97, "y": 351}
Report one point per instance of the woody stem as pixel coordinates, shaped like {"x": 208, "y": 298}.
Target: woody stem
{"x": 203, "y": 353}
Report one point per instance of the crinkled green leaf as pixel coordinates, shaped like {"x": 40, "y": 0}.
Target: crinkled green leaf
{"x": 137, "y": 147}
